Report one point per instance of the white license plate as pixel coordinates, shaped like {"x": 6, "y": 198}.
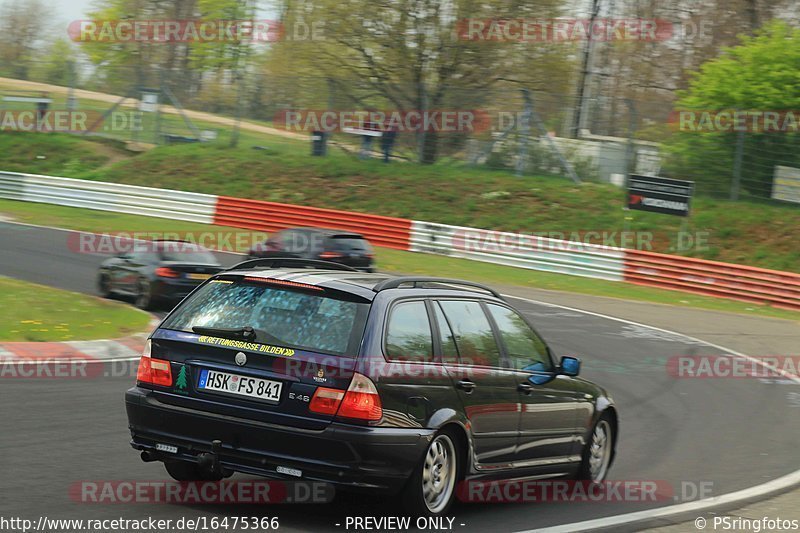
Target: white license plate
{"x": 263, "y": 389}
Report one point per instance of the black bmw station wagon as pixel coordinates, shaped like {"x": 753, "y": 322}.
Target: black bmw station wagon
{"x": 300, "y": 369}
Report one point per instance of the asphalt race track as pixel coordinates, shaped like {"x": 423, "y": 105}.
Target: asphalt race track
{"x": 732, "y": 433}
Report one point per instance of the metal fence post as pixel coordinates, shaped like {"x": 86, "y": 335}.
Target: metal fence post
{"x": 737, "y": 166}
{"x": 629, "y": 149}
{"x": 525, "y": 132}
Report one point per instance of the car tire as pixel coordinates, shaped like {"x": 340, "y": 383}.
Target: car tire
{"x": 144, "y": 295}
{"x": 598, "y": 452}
{"x": 431, "y": 489}
{"x": 185, "y": 471}
{"x": 104, "y": 286}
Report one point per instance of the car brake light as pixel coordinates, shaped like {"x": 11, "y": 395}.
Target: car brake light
{"x": 326, "y": 401}
{"x": 361, "y": 401}
{"x": 330, "y": 255}
{"x": 166, "y": 272}
{"x": 153, "y": 371}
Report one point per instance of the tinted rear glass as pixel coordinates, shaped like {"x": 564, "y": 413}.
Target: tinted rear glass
{"x": 350, "y": 244}
{"x": 186, "y": 254}
{"x": 289, "y": 318}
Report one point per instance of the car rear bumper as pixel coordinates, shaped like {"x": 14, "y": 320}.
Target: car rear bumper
{"x": 173, "y": 290}
{"x": 377, "y": 459}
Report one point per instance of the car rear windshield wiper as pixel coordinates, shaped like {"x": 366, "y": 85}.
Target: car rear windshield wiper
{"x": 246, "y": 333}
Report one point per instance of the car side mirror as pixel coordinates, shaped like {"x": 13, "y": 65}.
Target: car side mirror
{"x": 570, "y": 366}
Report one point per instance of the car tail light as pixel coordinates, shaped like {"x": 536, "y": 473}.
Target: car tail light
{"x": 330, "y": 255}
{"x": 326, "y": 401}
{"x": 166, "y": 272}
{"x": 153, "y": 371}
{"x": 361, "y": 400}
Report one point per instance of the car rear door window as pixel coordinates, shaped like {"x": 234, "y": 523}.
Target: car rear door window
{"x": 525, "y": 349}
{"x": 408, "y": 334}
{"x": 473, "y": 332}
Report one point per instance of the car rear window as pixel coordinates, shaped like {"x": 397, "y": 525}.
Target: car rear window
{"x": 280, "y": 316}
{"x": 188, "y": 255}
{"x": 349, "y": 243}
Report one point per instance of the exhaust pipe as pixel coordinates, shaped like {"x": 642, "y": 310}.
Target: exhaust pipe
{"x": 149, "y": 456}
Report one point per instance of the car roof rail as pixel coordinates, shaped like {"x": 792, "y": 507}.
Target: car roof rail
{"x": 415, "y": 281}
{"x": 289, "y": 262}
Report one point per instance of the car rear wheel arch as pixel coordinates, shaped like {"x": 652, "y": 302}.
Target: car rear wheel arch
{"x": 412, "y": 494}
{"x": 450, "y": 421}
{"x": 463, "y": 448}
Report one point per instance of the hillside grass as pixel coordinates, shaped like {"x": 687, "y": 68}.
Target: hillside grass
{"x": 759, "y": 234}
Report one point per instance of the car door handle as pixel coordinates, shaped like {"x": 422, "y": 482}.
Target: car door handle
{"x": 527, "y": 388}
{"x": 466, "y": 385}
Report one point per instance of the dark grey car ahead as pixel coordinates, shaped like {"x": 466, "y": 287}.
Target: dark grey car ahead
{"x": 156, "y": 273}
{"x": 336, "y": 246}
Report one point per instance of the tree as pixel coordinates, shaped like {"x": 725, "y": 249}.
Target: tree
{"x": 407, "y": 54}
{"x": 21, "y": 30}
{"x": 58, "y": 65}
{"x": 761, "y": 74}
{"x": 183, "y": 66}
{"x": 650, "y": 72}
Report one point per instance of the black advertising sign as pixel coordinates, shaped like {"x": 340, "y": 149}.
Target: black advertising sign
{"x": 660, "y": 195}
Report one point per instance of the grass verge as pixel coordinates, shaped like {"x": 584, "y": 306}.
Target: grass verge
{"x": 754, "y": 233}
{"x": 30, "y": 312}
{"x": 397, "y": 261}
